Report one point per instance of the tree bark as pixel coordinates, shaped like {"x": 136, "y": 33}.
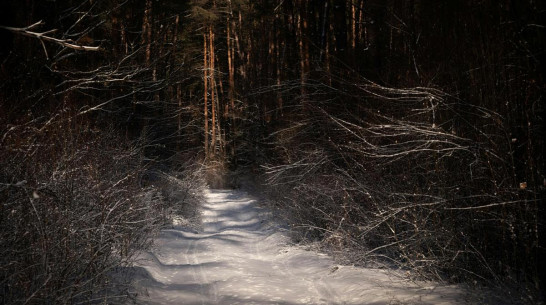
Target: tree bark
{"x": 205, "y": 94}
{"x": 147, "y": 30}
{"x": 212, "y": 92}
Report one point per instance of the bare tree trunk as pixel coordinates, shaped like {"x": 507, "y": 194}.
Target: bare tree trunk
{"x": 305, "y": 39}
{"x": 178, "y": 88}
{"x": 353, "y": 24}
{"x": 205, "y": 94}
{"x": 179, "y": 115}
{"x": 278, "y": 72}
{"x": 362, "y": 34}
{"x": 212, "y": 91}
{"x": 231, "y": 75}
{"x": 340, "y": 26}
{"x": 147, "y": 30}
{"x": 303, "y": 74}
{"x": 352, "y": 21}
{"x": 229, "y": 130}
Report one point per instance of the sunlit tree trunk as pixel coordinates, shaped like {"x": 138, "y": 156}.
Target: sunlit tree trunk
{"x": 231, "y": 74}
{"x": 352, "y": 22}
{"x": 361, "y": 22}
{"x": 212, "y": 92}
{"x": 205, "y": 94}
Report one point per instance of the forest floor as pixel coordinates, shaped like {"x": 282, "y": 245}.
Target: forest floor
{"x": 241, "y": 255}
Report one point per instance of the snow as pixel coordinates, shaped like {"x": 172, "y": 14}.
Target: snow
{"x": 241, "y": 257}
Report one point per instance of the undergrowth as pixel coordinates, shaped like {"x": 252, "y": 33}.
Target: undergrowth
{"x": 76, "y": 210}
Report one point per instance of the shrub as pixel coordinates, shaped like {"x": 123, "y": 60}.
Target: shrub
{"x": 73, "y": 212}
{"x": 400, "y": 190}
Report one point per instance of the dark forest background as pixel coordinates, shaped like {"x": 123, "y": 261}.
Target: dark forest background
{"x": 399, "y": 134}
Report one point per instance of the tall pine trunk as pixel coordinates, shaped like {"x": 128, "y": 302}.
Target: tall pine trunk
{"x": 205, "y": 94}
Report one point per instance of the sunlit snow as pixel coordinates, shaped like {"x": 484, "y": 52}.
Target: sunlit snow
{"x": 241, "y": 257}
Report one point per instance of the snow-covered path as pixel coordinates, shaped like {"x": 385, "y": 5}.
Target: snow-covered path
{"x": 239, "y": 257}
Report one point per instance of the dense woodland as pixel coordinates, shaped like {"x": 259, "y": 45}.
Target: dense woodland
{"x": 400, "y": 134}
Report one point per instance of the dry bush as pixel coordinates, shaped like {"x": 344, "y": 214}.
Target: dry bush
{"x": 182, "y": 190}
{"x": 74, "y": 212}
{"x": 75, "y": 201}
{"x": 409, "y": 179}
{"x": 215, "y": 173}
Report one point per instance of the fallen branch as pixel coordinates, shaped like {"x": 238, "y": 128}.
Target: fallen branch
{"x": 28, "y": 31}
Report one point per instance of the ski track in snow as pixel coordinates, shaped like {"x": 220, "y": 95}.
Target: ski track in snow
{"x": 240, "y": 257}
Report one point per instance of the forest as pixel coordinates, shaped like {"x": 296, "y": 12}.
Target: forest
{"x": 404, "y": 134}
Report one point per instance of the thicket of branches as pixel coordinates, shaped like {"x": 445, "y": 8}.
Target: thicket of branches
{"x": 433, "y": 161}
{"x": 398, "y": 187}
{"x": 410, "y": 134}
{"x": 73, "y": 212}
{"x": 95, "y": 155}
{"x": 77, "y": 207}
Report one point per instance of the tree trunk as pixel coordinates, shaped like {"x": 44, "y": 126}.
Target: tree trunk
{"x": 231, "y": 74}
{"x": 340, "y": 27}
{"x": 147, "y": 30}
{"x": 212, "y": 92}
{"x": 205, "y": 94}
{"x": 301, "y": 26}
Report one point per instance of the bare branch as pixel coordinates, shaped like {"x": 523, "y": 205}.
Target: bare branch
{"x": 43, "y": 36}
